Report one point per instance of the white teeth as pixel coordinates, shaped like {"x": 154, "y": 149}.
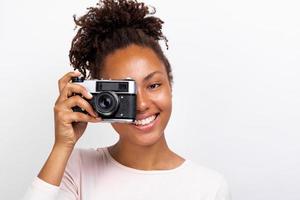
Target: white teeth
{"x": 145, "y": 121}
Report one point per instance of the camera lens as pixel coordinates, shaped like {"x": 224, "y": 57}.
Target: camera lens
{"x": 106, "y": 103}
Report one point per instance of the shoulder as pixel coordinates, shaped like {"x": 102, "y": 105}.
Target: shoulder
{"x": 86, "y": 154}
{"x": 206, "y": 178}
{"x": 203, "y": 172}
{"x": 81, "y": 158}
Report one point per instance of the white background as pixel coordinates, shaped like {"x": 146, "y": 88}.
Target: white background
{"x": 236, "y": 92}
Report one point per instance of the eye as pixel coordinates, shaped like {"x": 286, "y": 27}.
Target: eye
{"x": 153, "y": 86}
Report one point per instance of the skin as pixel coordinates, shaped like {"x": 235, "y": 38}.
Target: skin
{"x": 137, "y": 149}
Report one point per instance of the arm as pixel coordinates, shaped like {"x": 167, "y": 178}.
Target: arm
{"x": 69, "y": 182}
{"x": 69, "y": 127}
{"x": 53, "y": 170}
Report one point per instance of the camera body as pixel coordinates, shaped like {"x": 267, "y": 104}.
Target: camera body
{"x": 113, "y": 100}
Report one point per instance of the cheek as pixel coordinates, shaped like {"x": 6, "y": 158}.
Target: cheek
{"x": 163, "y": 100}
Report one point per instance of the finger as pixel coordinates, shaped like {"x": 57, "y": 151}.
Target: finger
{"x": 79, "y": 117}
{"x": 72, "y": 88}
{"x": 66, "y": 79}
{"x": 83, "y": 104}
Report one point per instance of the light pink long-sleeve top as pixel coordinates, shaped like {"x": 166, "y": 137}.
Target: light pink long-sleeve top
{"x": 94, "y": 174}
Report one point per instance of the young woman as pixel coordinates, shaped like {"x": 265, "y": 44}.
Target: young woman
{"x": 117, "y": 40}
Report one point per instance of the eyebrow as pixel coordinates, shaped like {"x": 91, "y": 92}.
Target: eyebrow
{"x": 149, "y": 76}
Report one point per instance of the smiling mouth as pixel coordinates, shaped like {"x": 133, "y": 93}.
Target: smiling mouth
{"x": 146, "y": 121}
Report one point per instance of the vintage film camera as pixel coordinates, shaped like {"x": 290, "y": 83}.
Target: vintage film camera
{"x": 113, "y": 100}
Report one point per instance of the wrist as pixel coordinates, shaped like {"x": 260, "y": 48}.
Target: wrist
{"x": 63, "y": 147}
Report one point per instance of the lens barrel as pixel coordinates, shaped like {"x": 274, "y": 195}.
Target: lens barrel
{"x": 106, "y": 103}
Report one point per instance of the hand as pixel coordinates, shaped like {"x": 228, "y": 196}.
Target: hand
{"x": 69, "y": 125}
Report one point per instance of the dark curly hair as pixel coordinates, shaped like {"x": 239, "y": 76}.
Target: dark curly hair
{"x": 111, "y": 25}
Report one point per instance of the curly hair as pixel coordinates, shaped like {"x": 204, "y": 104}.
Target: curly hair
{"x": 112, "y": 25}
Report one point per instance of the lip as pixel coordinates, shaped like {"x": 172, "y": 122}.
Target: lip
{"x": 140, "y": 117}
{"x": 148, "y": 127}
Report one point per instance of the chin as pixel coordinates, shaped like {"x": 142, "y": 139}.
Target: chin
{"x": 147, "y": 141}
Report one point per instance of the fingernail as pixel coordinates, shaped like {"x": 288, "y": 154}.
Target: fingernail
{"x": 95, "y": 114}
{"x": 77, "y": 72}
{"x": 89, "y": 95}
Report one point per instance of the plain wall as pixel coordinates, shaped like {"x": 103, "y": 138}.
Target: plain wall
{"x": 235, "y": 98}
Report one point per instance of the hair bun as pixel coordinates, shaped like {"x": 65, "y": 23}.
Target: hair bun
{"x": 110, "y": 15}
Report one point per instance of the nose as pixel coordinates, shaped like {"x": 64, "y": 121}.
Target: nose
{"x": 142, "y": 101}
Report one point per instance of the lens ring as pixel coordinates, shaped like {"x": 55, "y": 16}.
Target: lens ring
{"x": 106, "y": 103}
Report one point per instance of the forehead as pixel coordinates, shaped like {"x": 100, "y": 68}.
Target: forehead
{"x": 133, "y": 61}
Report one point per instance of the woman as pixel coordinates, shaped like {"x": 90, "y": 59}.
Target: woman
{"x": 116, "y": 40}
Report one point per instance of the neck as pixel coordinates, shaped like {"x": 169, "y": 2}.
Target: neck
{"x": 154, "y": 157}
